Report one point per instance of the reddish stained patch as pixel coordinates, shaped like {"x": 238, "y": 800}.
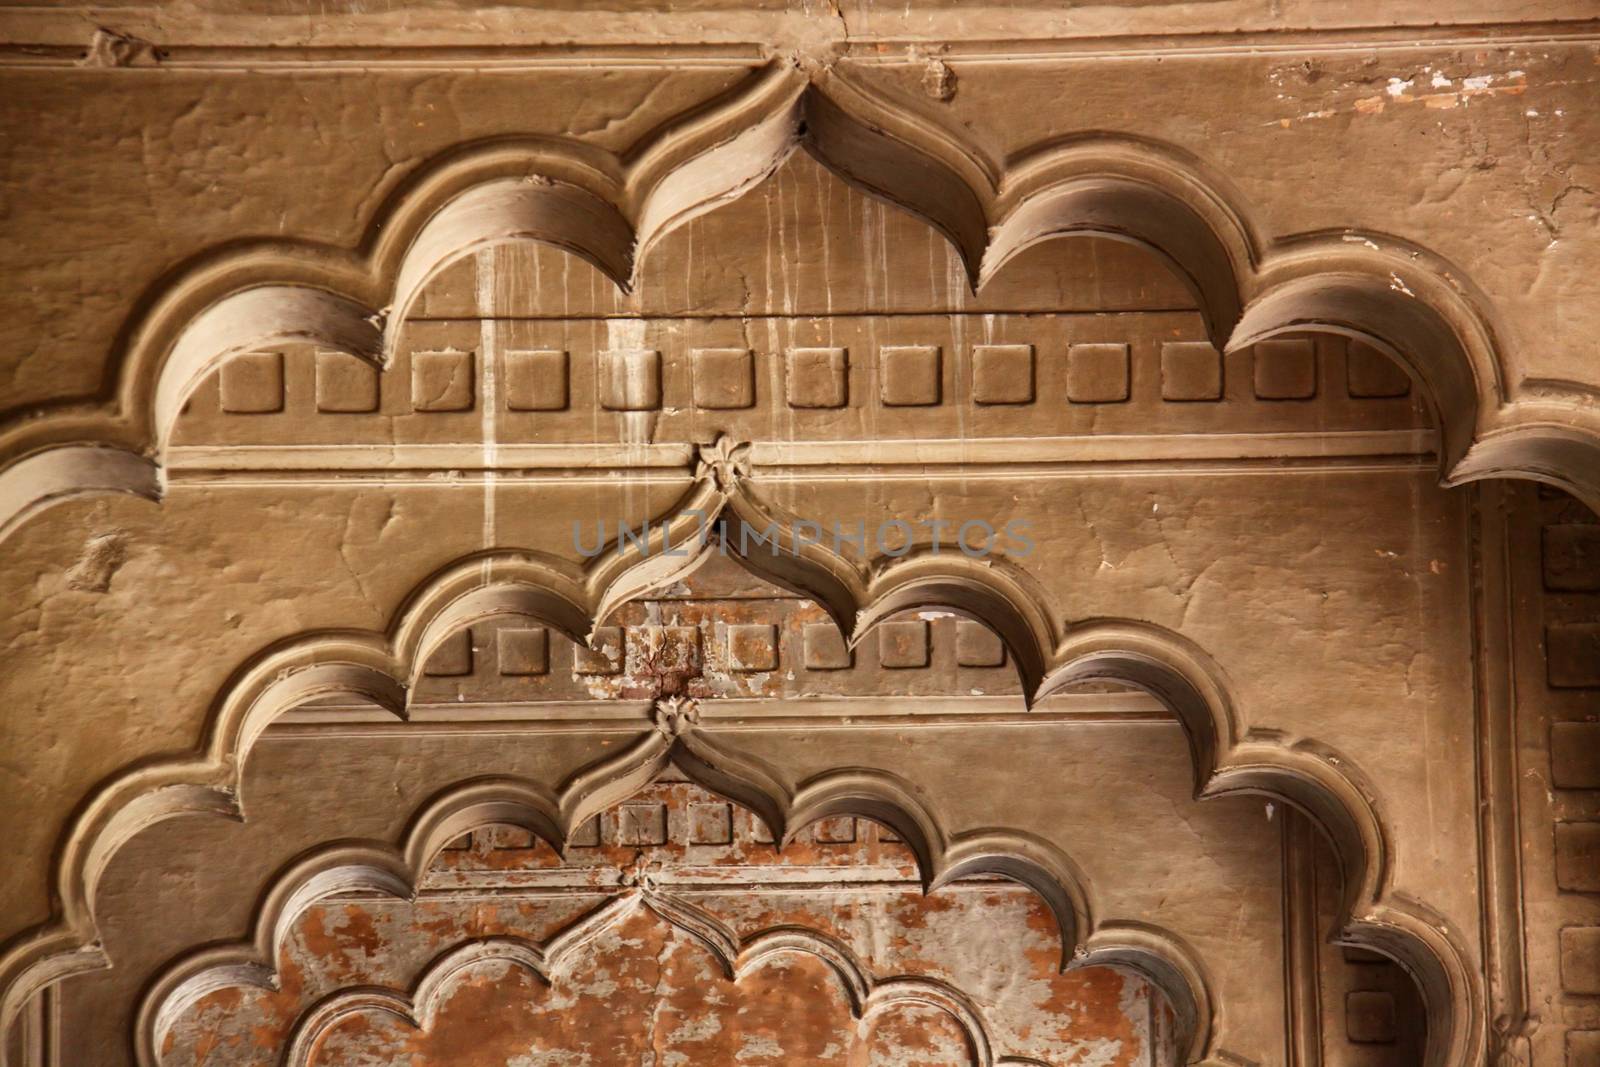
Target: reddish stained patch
{"x": 915, "y": 1037}
{"x": 645, "y": 988}
{"x": 648, "y": 991}
{"x": 358, "y": 931}
{"x": 437, "y": 923}
{"x": 225, "y": 1027}
{"x": 344, "y": 949}
{"x": 234, "y": 1018}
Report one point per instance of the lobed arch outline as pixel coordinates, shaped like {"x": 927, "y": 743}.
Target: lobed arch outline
{"x": 395, "y": 870}
{"x": 866, "y": 996}
{"x": 609, "y": 209}
{"x": 380, "y": 667}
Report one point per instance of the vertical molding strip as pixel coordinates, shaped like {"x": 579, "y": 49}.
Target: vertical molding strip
{"x": 1301, "y": 938}
{"x": 1499, "y": 827}
{"x": 41, "y": 1026}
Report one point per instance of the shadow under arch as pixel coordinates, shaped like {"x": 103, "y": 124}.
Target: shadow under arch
{"x": 1326, "y": 786}
{"x": 1550, "y": 451}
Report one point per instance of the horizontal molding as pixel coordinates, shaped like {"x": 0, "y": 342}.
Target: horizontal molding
{"x": 1074, "y": 456}
{"x": 687, "y": 880}
{"x": 735, "y": 714}
{"x": 41, "y": 37}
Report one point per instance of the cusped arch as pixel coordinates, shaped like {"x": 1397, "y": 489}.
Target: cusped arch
{"x": 1386, "y": 313}
{"x": 1547, "y": 449}
{"x": 866, "y": 995}
{"x": 610, "y": 208}
{"x": 379, "y": 668}
{"x": 395, "y": 870}
{"x": 1325, "y": 785}
{"x": 36, "y": 481}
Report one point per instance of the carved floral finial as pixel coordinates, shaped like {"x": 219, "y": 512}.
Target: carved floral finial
{"x": 727, "y": 461}
{"x": 676, "y": 715}
{"x": 107, "y": 48}
{"x": 639, "y": 873}
{"x": 938, "y": 80}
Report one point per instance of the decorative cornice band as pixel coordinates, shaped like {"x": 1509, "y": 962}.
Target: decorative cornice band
{"x": 1030, "y": 457}
{"x": 55, "y": 39}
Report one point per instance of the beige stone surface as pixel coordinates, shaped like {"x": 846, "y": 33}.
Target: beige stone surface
{"x": 1105, "y": 381}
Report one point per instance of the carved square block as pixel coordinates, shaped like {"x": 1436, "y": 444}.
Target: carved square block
{"x": 1285, "y": 369}
{"x": 252, "y": 383}
{"x": 676, "y": 648}
{"x": 978, "y": 646}
{"x": 903, "y": 644}
{"x": 509, "y": 838}
{"x": 1097, "y": 373}
{"x": 1190, "y": 371}
{"x": 642, "y": 824}
{"x": 817, "y": 377}
{"x": 1583, "y": 1048}
{"x": 1369, "y": 1017}
{"x": 1002, "y": 374}
{"x": 1369, "y": 374}
{"x": 1575, "y": 755}
{"x": 536, "y": 380}
{"x": 586, "y": 836}
{"x": 346, "y": 384}
{"x": 1578, "y": 856}
{"x": 442, "y": 381}
{"x": 606, "y": 655}
{"x": 710, "y": 824}
{"x": 523, "y": 651}
{"x": 451, "y": 657}
{"x": 824, "y": 648}
{"x": 752, "y": 646}
{"x": 1580, "y": 959}
{"x": 1572, "y": 655}
{"x": 837, "y": 831}
{"x": 724, "y": 378}
{"x": 908, "y": 375}
{"x": 630, "y": 379}
{"x": 1572, "y": 557}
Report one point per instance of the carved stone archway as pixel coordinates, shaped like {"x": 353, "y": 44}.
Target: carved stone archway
{"x": 1222, "y": 460}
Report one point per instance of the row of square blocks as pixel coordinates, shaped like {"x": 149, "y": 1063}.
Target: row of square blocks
{"x": 645, "y": 823}
{"x": 752, "y": 647}
{"x": 814, "y": 378}
{"x": 1570, "y": 564}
